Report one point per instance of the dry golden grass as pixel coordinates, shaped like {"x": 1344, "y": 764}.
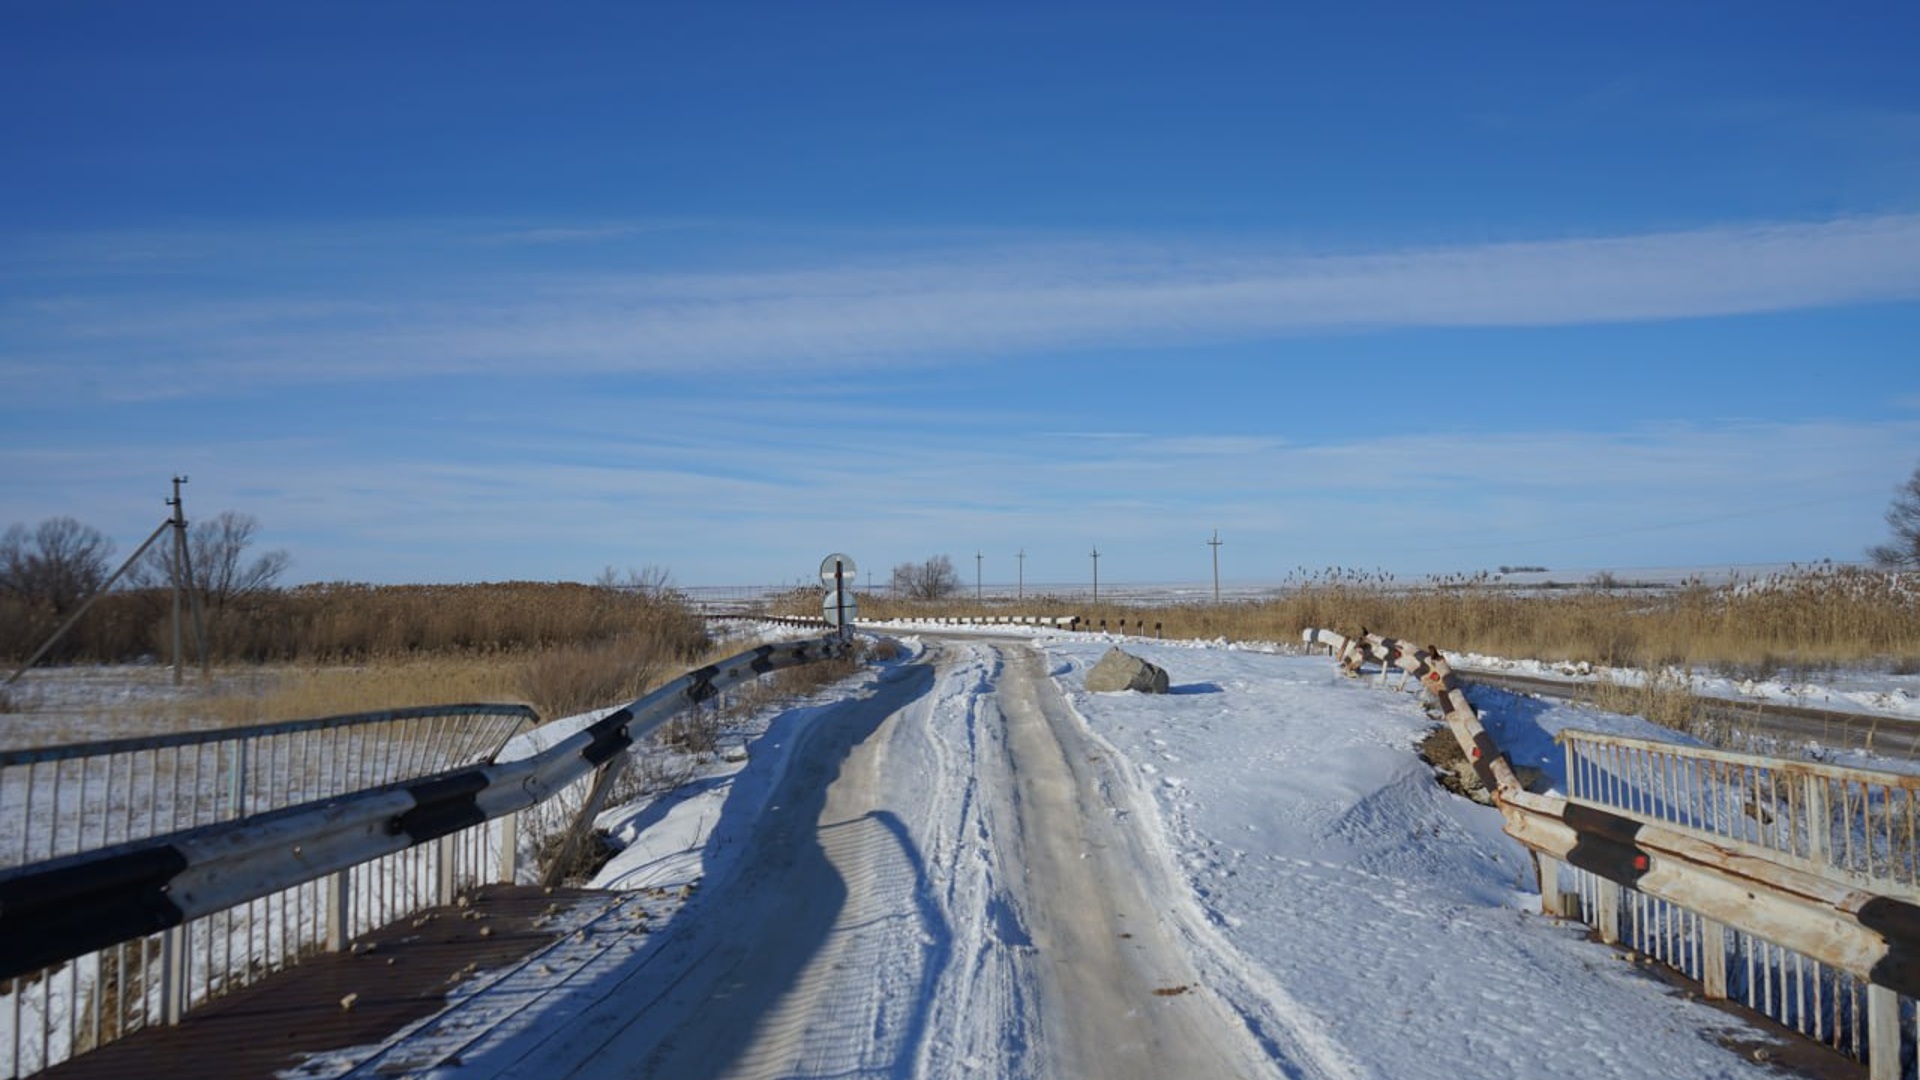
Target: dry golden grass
{"x": 266, "y": 694}
{"x": 1816, "y": 618}
{"x": 335, "y": 623}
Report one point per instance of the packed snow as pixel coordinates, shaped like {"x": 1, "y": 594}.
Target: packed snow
{"x": 1345, "y": 914}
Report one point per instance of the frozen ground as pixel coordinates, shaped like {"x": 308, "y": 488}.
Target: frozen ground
{"x": 1840, "y": 689}
{"x": 966, "y": 864}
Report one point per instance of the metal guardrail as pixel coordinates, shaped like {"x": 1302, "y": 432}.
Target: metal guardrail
{"x": 1047, "y": 622}
{"x": 1861, "y": 823}
{"x": 98, "y": 943}
{"x": 59, "y": 800}
{"x": 1807, "y": 914}
{"x": 1848, "y": 825}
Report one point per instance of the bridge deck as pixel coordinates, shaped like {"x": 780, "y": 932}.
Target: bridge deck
{"x": 275, "y": 1023}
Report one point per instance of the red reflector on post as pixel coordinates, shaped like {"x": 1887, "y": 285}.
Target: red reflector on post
{"x": 1639, "y": 862}
{"x": 1475, "y": 753}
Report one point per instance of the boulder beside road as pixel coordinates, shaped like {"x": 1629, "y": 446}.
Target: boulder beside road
{"x": 1119, "y": 670}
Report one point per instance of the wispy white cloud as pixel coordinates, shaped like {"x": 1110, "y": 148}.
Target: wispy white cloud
{"x": 564, "y": 500}
{"x": 352, "y": 315}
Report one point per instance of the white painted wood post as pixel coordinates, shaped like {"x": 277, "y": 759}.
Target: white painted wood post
{"x": 1883, "y": 1033}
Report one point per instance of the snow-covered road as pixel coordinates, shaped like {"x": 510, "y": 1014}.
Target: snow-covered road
{"x": 964, "y": 863}
{"x": 943, "y": 882}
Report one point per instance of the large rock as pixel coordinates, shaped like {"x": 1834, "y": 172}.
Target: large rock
{"x": 1123, "y": 671}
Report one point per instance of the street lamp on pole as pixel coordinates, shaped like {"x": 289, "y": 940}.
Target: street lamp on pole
{"x": 1096, "y": 573}
{"x": 978, "y": 561}
{"x": 1021, "y": 593}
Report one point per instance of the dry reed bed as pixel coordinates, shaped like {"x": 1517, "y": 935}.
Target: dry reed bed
{"x": 1807, "y": 620}
{"x": 332, "y": 623}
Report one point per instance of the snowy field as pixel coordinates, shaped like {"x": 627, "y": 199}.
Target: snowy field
{"x": 1349, "y": 916}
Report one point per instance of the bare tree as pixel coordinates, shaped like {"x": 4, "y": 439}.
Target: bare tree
{"x": 1903, "y": 516}
{"x": 60, "y": 563}
{"x": 217, "y": 548}
{"x": 648, "y": 580}
{"x": 931, "y": 580}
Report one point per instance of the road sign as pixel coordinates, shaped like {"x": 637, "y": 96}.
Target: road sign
{"x": 830, "y": 607}
{"x": 843, "y": 562}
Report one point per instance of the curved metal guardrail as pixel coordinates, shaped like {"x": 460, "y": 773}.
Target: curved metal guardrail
{"x": 58, "y": 915}
{"x": 1814, "y": 946}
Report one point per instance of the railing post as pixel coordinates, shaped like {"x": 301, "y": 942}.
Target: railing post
{"x": 339, "y": 909}
{"x": 1883, "y": 1033}
{"x": 174, "y": 962}
{"x": 1606, "y": 909}
{"x": 509, "y": 848}
{"x": 446, "y": 853}
{"x": 237, "y": 780}
{"x": 1818, "y": 821}
{"x": 556, "y": 871}
{"x": 1553, "y": 901}
{"x": 1713, "y": 960}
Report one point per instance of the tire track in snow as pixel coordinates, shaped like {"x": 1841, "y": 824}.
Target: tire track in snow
{"x": 943, "y": 882}
{"x": 1293, "y": 1037}
{"x": 1122, "y": 996}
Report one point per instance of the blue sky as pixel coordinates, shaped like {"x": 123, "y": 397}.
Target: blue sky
{"x": 469, "y": 292}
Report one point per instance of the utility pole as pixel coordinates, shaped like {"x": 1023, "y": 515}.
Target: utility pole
{"x": 1215, "y": 545}
{"x": 979, "y": 560}
{"x": 1021, "y": 593}
{"x": 183, "y": 580}
{"x": 1096, "y": 573}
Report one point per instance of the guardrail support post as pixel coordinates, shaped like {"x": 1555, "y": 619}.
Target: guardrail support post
{"x": 556, "y": 871}
{"x": 1713, "y": 960}
{"x": 339, "y": 915}
{"x": 509, "y": 848}
{"x": 448, "y": 858}
{"x": 1883, "y": 1033}
{"x": 173, "y": 975}
{"x": 1606, "y": 909}
{"x": 1553, "y": 901}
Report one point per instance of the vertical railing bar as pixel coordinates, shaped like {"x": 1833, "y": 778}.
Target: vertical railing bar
{"x": 26, "y": 834}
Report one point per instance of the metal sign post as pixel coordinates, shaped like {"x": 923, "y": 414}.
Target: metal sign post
{"x": 839, "y": 607}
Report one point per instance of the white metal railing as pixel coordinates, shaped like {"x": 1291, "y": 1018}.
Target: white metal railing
{"x": 59, "y": 800}
{"x": 98, "y": 943}
{"x": 1823, "y": 1002}
{"x": 1789, "y": 886}
{"x": 1853, "y": 826}
{"x": 1862, "y": 823}
{"x": 64, "y": 800}
{"x": 1850, "y": 828}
